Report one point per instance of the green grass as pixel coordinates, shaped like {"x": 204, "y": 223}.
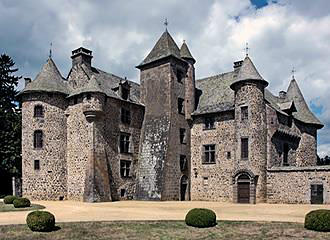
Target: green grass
{"x": 165, "y": 230}
{"x": 11, "y": 208}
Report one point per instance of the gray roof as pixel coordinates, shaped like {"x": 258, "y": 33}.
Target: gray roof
{"x": 164, "y": 47}
{"x": 303, "y": 113}
{"x": 48, "y": 80}
{"x": 185, "y": 53}
{"x": 248, "y": 72}
{"x": 217, "y": 96}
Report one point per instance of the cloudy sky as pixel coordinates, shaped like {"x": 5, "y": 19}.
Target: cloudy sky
{"x": 281, "y": 34}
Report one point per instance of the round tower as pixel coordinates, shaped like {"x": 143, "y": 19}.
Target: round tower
{"x": 249, "y": 179}
{"x": 44, "y": 135}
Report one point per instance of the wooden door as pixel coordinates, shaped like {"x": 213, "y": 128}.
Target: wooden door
{"x": 183, "y": 187}
{"x": 243, "y": 192}
{"x": 316, "y": 194}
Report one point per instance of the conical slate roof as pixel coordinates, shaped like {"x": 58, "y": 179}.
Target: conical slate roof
{"x": 303, "y": 113}
{"x": 185, "y": 53}
{"x": 164, "y": 47}
{"x": 48, "y": 80}
{"x": 91, "y": 87}
{"x": 248, "y": 72}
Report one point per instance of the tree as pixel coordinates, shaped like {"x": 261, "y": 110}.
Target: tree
{"x": 10, "y": 119}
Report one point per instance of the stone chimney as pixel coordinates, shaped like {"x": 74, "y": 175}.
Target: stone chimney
{"x": 82, "y": 55}
{"x": 282, "y": 94}
{"x": 238, "y": 64}
{"x": 27, "y": 81}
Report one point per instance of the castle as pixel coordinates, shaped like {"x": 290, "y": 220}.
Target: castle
{"x": 94, "y": 136}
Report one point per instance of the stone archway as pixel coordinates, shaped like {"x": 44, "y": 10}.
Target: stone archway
{"x": 244, "y": 187}
{"x": 184, "y": 188}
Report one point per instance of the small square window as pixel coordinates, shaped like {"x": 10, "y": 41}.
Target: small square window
{"x": 209, "y": 123}
{"x": 205, "y": 181}
{"x": 228, "y": 155}
{"x": 36, "y": 164}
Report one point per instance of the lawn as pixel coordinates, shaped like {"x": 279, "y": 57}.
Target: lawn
{"x": 229, "y": 230}
{"x": 11, "y": 208}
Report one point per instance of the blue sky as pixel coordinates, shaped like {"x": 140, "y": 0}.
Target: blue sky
{"x": 281, "y": 34}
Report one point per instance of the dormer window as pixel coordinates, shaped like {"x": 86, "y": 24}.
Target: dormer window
{"x": 125, "y": 93}
{"x": 38, "y": 111}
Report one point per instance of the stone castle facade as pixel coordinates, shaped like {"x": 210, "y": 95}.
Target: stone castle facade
{"x": 94, "y": 136}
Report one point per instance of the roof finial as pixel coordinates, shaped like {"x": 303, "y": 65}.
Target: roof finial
{"x": 50, "y": 50}
{"x": 184, "y": 41}
{"x": 247, "y": 49}
{"x": 293, "y": 71}
{"x": 166, "y": 24}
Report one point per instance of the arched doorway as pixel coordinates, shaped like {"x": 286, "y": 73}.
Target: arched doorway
{"x": 243, "y": 188}
{"x": 183, "y": 188}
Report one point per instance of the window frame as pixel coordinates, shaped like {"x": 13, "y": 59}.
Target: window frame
{"x": 38, "y": 139}
{"x": 40, "y": 113}
{"x": 209, "y": 154}
{"x": 209, "y": 123}
{"x": 125, "y": 116}
{"x": 124, "y": 142}
{"x": 244, "y": 113}
{"x": 125, "y": 168}
{"x": 244, "y": 148}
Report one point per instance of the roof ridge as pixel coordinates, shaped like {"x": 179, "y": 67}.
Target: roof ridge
{"x": 214, "y": 76}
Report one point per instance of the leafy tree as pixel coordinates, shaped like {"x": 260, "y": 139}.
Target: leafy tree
{"x": 10, "y": 119}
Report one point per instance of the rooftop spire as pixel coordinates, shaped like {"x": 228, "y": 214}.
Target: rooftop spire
{"x": 166, "y": 24}
{"x": 185, "y": 53}
{"x": 293, "y": 72}
{"x": 246, "y": 49}
{"x": 50, "y": 50}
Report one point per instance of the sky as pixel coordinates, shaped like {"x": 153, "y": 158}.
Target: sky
{"x": 282, "y": 35}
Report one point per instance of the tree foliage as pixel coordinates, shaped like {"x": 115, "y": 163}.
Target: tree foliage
{"x": 10, "y": 118}
{"x": 323, "y": 161}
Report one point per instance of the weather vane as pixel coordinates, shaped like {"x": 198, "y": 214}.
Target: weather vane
{"x": 50, "y": 50}
{"x": 293, "y": 72}
{"x": 166, "y": 24}
{"x": 247, "y": 49}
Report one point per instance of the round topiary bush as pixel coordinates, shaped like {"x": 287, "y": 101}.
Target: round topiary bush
{"x": 40, "y": 221}
{"x": 201, "y": 218}
{"x": 9, "y": 199}
{"x": 318, "y": 220}
{"x": 21, "y": 203}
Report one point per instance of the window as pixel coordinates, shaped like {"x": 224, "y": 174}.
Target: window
{"x": 182, "y": 136}
{"x": 38, "y": 139}
{"x": 285, "y": 154}
{"x": 228, "y": 155}
{"x": 209, "y": 153}
{"x": 38, "y": 111}
{"x": 244, "y": 148}
{"x": 124, "y": 93}
{"x": 125, "y": 167}
{"x": 183, "y": 162}
{"x": 122, "y": 192}
{"x": 88, "y": 96}
{"x": 75, "y": 100}
{"x": 244, "y": 113}
{"x": 180, "y": 105}
{"x": 209, "y": 123}
{"x": 179, "y": 76}
{"x": 205, "y": 181}
{"x": 36, "y": 165}
{"x": 125, "y": 116}
{"x": 124, "y": 143}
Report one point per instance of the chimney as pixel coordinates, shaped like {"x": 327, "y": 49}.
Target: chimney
{"x": 282, "y": 94}
{"x": 27, "y": 81}
{"x": 82, "y": 55}
{"x": 238, "y": 64}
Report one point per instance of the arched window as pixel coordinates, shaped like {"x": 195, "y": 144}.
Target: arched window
{"x": 38, "y": 111}
{"x": 38, "y": 139}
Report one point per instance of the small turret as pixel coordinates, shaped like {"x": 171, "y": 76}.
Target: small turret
{"x": 185, "y": 53}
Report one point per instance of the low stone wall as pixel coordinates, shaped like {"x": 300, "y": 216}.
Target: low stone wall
{"x": 293, "y": 184}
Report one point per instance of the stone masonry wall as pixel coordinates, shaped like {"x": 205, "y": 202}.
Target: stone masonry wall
{"x": 213, "y": 182}
{"x": 50, "y": 182}
{"x": 293, "y": 184}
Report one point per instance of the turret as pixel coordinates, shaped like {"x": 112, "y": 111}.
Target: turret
{"x": 189, "y": 81}
{"x": 44, "y": 135}
{"x": 250, "y": 124}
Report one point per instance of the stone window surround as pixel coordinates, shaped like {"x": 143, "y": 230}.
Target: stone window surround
{"x": 38, "y": 111}
{"x": 211, "y": 153}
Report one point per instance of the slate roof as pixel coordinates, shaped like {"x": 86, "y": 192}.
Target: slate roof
{"x": 217, "y": 96}
{"x": 48, "y": 80}
{"x": 185, "y": 53}
{"x": 164, "y": 47}
{"x": 248, "y": 72}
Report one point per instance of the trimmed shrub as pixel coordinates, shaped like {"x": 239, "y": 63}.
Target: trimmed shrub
{"x": 21, "y": 202}
{"x": 201, "y": 218}
{"x": 40, "y": 221}
{"x": 318, "y": 220}
{"x": 9, "y": 199}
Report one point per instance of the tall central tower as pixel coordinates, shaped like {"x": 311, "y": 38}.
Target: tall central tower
{"x": 165, "y": 139}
